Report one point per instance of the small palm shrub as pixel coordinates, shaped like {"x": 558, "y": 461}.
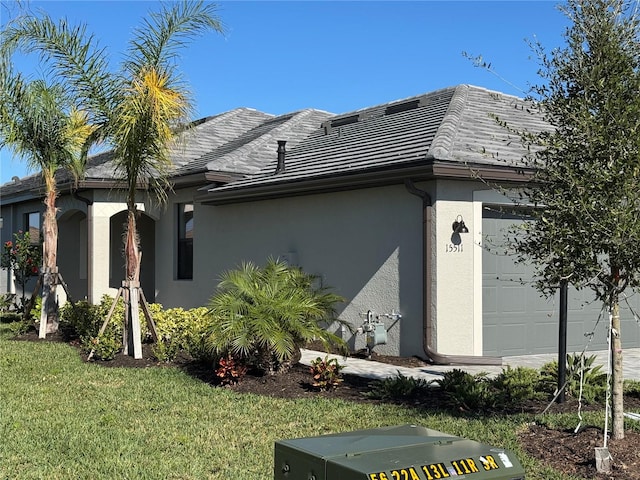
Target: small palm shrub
{"x": 580, "y": 369}
{"x": 263, "y": 316}
{"x": 398, "y": 387}
{"x": 326, "y": 373}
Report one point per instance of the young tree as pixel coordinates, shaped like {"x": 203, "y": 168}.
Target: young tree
{"x": 39, "y": 122}
{"x": 587, "y": 182}
{"x": 138, "y": 107}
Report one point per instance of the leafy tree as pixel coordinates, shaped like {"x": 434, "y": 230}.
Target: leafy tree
{"x": 265, "y": 315}
{"x": 138, "y": 108}
{"x": 40, "y": 122}
{"x": 24, "y": 259}
{"x": 586, "y": 188}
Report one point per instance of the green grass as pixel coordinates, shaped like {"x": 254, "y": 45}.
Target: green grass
{"x": 61, "y": 418}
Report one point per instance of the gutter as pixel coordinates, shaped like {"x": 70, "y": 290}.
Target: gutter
{"x": 427, "y": 318}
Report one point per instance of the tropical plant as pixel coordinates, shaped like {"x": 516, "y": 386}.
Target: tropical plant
{"x": 515, "y": 386}
{"x": 23, "y": 258}
{"x": 326, "y": 372}
{"x": 265, "y": 315}
{"x": 583, "y": 378}
{"x": 398, "y": 387}
{"x": 139, "y": 108}
{"x": 230, "y": 370}
{"x": 41, "y": 123}
{"x": 466, "y": 392}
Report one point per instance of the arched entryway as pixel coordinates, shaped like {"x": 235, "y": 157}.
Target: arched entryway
{"x": 72, "y": 252}
{"x": 146, "y": 231}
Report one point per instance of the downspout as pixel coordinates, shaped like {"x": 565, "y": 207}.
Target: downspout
{"x": 89, "y": 203}
{"x": 427, "y": 320}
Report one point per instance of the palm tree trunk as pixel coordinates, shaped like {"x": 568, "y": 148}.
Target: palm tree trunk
{"x": 131, "y": 250}
{"x": 132, "y": 341}
{"x": 49, "y": 313}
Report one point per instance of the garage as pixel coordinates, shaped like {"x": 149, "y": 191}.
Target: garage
{"x": 517, "y": 320}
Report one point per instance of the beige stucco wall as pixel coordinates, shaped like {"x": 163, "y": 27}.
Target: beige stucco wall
{"x": 364, "y": 244}
{"x": 458, "y": 271}
{"x": 454, "y": 277}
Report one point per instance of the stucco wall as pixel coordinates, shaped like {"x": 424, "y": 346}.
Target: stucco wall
{"x": 365, "y": 244}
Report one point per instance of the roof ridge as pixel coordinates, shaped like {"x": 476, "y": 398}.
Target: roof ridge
{"x": 295, "y": 119}
{"x": 443, "y": 140}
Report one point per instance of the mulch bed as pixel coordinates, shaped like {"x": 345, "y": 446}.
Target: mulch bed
{"x": 566, "y": 451}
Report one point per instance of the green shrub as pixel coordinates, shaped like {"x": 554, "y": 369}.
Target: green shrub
{"x": 398, "y": 387}
{"x": 20, "y": 326}
{"x": 632, "y": 388}
{"x": 7, "y": 302}
{"x": 515, "y": 386}
{"x": 104, "y": 347}
{"x": 265, "y": 315}
{"x": 326, "y": 373}
{"x": 10, "y": 317}
{"x": 467, "y": 392}
{"x": 180, "y": 330}
{"x": 594, "y": 380}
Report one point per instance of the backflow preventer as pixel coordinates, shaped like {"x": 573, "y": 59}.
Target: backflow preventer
{"x": 375, "y": 330}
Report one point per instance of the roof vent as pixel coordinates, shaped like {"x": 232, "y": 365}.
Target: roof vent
{"x": 404, "y": 106}
{"x": 282, "y": 153}
{"x": 329, "y": 125}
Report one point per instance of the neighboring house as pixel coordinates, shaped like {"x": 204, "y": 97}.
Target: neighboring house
{"x": 369, "y": 201}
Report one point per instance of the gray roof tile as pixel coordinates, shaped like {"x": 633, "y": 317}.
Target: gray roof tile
{"x": 456, "y": 124}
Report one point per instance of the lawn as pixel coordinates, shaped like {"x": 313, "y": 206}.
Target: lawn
{"x": 61, "y": 418}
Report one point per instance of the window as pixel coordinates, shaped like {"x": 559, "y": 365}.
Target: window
{"x": 32, "y": 225}
{"x": 185, "y": 241}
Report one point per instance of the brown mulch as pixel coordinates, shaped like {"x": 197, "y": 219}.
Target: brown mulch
{"x": 566, "y": 451}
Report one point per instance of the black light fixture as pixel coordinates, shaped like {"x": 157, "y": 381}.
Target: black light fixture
{"x": 459, "y": 226}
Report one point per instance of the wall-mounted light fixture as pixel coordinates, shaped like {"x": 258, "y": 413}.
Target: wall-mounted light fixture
{"x": 459, "y": 226}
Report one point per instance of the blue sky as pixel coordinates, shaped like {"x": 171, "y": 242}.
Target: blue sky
{"x": 337, "y": 56}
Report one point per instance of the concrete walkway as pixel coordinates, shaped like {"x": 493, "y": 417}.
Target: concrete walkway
{"x": 377, "y": 370}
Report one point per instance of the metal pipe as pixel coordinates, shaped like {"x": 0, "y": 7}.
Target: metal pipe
{"x": 427, "y": 320}
{"x": 282, "y": 153}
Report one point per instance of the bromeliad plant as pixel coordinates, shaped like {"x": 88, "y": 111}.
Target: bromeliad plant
{"x": 263, "y": 316}
{"x": 24, "y": 259}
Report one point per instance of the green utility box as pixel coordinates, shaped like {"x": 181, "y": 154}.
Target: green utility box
{"x": 406, "y": 452}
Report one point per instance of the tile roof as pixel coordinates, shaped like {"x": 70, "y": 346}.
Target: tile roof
{"x": 247, "y": 153}
{"x": 456, "y": 124}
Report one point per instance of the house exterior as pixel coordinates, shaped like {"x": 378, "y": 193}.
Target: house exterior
{"x": 394, "y": 207}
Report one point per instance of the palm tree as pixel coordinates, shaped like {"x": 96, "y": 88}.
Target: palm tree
{"x": 138, "y": 108}
{"x": 263, "y": 316}
{"x": 40, "y": 123}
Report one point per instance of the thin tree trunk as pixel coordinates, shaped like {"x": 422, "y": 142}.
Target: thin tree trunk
{"x": 617, "y": 380}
